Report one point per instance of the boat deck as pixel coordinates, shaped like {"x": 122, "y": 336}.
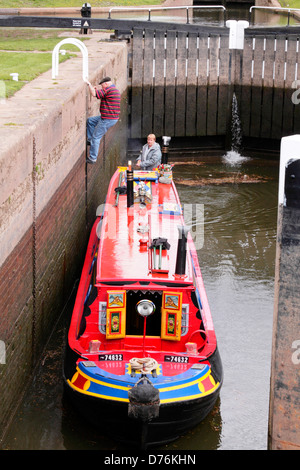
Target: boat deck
{"x": 126, "y": 233}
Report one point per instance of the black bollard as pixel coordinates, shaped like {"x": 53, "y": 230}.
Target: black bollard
{"x": 165, "y": 149}
{"x": 86, "y": 12}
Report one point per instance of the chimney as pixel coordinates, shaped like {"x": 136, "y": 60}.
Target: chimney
{"x": 181, "y": 249}
{"x": 165, "y": 149}
{"x": 129, "y": 185}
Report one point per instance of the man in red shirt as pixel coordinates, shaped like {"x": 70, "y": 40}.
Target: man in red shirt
{"x": 97, "y": 126}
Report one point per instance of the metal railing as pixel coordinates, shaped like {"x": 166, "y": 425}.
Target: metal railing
{"x": 187, "y": 8}
{"x": 276, "y": 9}
{"x": 81, "y": 46}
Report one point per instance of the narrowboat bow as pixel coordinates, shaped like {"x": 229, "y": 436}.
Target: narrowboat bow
{"x": 141, "y": 360}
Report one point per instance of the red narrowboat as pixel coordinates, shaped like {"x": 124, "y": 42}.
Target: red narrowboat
{"x": 142, "y": 361}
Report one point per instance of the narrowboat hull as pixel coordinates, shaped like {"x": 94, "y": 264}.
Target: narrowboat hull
{"x": 111, "y": 418}
{"x": 141, "y": 361}
{"x": 174, "y": 420}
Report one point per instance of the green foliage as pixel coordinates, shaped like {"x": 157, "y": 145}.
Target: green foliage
{"x": 27, "y": 65}
{"x": 290, "y": 3}
{"x": 73, "y": 3}
{"x": 27, "y": 39}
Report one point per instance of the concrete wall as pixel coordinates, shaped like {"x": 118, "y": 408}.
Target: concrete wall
{"x": 284, "y": 416}
{"x": 48, "y": 200}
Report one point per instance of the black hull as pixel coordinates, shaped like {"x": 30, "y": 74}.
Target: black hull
{"x": 174, "y": 419}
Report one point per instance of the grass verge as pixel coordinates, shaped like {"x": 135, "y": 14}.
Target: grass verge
{"x": 73, "y": 3}
{"x": 27, "y": 52}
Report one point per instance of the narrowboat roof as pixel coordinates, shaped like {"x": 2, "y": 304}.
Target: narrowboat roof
{"x": 126, "y": 233}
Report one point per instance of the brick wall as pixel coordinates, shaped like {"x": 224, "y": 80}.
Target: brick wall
{"x": 48, "y": 203}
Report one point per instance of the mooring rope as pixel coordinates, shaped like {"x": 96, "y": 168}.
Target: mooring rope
{"x": 146, "y": 364}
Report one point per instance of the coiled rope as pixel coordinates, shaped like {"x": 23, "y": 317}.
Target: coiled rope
{"x": 146, "y": 364}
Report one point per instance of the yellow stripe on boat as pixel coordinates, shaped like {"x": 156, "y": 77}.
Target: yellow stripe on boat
{"x": 164, "y": 401}
{"x": 109, "y": 386}
{"x": 105, "y": 397}
{"x": 187, "y": 384}
{"x": 190, "y": 397}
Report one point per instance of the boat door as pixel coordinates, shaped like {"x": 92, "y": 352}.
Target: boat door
{"x": 116, "y": 314}
{"x": 171, "y": 316}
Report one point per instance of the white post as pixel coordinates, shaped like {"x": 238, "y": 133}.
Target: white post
{"x": 15, "y": 76}
{"x": 236, "y": 33}
{"x": 82, "y": 47}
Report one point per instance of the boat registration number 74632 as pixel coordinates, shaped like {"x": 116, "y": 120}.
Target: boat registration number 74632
{"x": 178, "y": 359}
{"x": 110, "y": 357}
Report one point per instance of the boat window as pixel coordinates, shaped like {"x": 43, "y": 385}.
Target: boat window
{"x": 135, "y": 322}
{"x": 102, "y": 317}
{"x": 184, "y": 319}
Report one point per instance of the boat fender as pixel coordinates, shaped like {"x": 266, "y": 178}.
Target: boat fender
{"x": 143, "y": 401}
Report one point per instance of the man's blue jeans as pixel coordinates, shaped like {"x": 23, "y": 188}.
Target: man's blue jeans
{"x": 96, "y": 128}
